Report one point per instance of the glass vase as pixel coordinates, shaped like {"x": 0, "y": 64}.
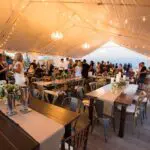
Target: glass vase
{"x": 25, "y": 100}
{"x": 11, "y": 104}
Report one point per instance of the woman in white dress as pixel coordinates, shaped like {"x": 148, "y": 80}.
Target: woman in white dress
{"x": 19, "y": 70}
{"x": 78, "y": 70}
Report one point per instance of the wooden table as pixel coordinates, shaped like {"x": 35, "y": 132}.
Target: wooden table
{"x": 60, "y": 115}
{"x": 105, "y": 94}
{"x": 56, "y": 82}
{"x": 13, "y": 137}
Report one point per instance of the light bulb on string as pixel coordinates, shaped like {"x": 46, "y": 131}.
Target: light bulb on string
{"x": 87, "y": 20}
{"x": 69, "y": 16}
{"x": 126, "y": 21}
{"x": 56, "y": 35}
{"x": 144, "y": 18}
{"x": 110, "y": 22}
{"x": 85, "y": 46}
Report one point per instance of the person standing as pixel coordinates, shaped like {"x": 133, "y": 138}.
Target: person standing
{"x": 3, "y": 68}
{"x": 66, "y": 63}
{"x": 98, "y": 68}
{"x": 91, "y": 68}
{"x": 51, "y": 69}
{"x": 78, "y": 70}
{"x": 19, "y": 70}
{"x": 61, "y": 65}
{"x": 85, "y": 69}
{"x": 142, "y": 74}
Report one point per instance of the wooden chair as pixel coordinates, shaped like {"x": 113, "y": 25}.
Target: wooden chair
{"x": 86, "y": 101}
{"x": 77, "y": 141}
{"x": 80, "y": 83}
{"x": 93, "y": 86}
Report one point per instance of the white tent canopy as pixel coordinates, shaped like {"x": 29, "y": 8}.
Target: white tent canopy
{"x": 26, "y": 25}
{"x": 115, "y": 53}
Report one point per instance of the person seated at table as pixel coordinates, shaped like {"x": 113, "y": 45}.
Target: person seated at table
{"x": 39, "y": 72}
{"x": 33, "y": 64}
{"x": 78, "y": 70}
{"x": 105, "y": 73}
{"x": 31, "y": 69}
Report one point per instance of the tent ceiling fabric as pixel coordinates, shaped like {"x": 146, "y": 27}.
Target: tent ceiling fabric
{"x": 26, "y": 25}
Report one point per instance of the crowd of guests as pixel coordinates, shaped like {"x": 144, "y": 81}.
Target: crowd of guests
{"x": 77, "y": 68}
{"x": 80, "y": 68}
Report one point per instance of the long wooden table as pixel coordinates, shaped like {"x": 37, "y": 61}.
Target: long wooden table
{"x": 13, "y": 137}
{"x": 123, "y": 97}
{"x": 60, "y": 115}
{"x": 56, "y": 82}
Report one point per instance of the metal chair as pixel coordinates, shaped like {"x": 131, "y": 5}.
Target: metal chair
{"x": 105, "y": 119}
{"x": 72, "y": 103}
{"x": 137, "y": 110}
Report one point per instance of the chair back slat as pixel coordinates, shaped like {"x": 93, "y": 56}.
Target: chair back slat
{"x": 77, "y": 141}
{"x": 72, "y": 103}
{"x": 93, "y": 86}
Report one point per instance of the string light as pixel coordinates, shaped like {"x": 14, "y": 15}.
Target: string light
{"x": 57, "y": 35}
{"x": 144, "y": 18}
{"x": 110, "y": 22}
{"x": 126, "y": 21}
{"x": 9, "y": 34}
{"x": 85, "y": 46}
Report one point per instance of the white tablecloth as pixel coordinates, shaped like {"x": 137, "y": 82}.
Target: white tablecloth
{"x": 44, "y": 130}
{"x": 105, "y": 94}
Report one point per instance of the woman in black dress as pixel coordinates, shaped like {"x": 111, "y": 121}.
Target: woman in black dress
{"x": 3, "y": 68}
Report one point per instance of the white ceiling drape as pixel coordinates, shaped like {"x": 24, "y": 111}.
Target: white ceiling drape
{"x": 26, "y": 25}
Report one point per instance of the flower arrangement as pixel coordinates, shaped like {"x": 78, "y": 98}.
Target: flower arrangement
{"x": 6, "y": 89}
{"x": 64, "y": 75}
{"x": 118, "y": 85}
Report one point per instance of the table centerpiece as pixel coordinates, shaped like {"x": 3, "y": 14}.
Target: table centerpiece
{"x": 10, "y": 93}
{"x": 118, "y": 86}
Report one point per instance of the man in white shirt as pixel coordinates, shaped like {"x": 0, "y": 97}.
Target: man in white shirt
{"x": 61, "y": 65}
{"x": 66, "y": 64}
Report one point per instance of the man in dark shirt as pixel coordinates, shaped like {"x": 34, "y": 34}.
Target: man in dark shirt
{"x": 143, "y": 73}
{"x": 85, "y": 69}
{"x": 3, "y": 68}
{"x": 33, "y": 64}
